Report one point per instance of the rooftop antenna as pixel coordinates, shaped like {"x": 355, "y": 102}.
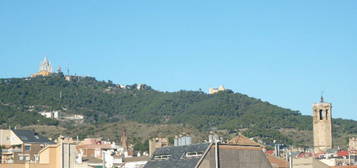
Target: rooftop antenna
{"x": 68, "y": 70}
{"x": 322, "y": 96}
{"x": 59, "y": 70}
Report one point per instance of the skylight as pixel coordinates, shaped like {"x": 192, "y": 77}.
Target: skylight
{"x": 161, "y": 157}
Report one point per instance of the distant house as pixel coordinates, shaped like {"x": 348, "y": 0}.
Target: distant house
{"x": 51, "y": 114}
{"x": 73, "y": 117}
{"x": 94, "y": 147}
{"x": 20, "y": 146}
{"x": 204, "y": 156}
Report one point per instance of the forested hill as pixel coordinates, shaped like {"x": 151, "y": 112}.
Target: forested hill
{"x": 102, "y": 102}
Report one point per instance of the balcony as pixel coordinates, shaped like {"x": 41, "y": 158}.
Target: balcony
{"x": 10, "y": 151}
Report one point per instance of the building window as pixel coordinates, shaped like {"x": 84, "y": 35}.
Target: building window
{"x": 321, "y": 115}
{"x": 27, "y": 147}
{"x": 326, "y": 114}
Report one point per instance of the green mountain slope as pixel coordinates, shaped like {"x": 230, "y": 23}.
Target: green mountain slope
{"x": 105, "y": 102}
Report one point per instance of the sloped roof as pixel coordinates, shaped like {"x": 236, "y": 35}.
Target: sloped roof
{"x": 342, "y": 153}
{"x": 242, "y": 140}
{"x": 240, "y": 156}
{"x": 177, "y": 159}
{"x": 277, "y": 162}
{"x": 237, "y": 156}
{"x": 31, "y": 137}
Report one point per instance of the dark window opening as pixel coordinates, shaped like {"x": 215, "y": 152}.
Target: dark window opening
{"x": 321, "y": 115}
{"x": 27, "y": 147}
{"x": 326, "y": 114}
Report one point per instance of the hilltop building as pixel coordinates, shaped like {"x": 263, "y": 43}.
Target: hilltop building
{"x": 51, "y": 114}
{"x": 216, "y": 90}
{"x": 45, "y": 68}
{"x": 322, "y": 126}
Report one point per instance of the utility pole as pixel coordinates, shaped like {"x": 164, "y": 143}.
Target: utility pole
{"x": 290, "y": 160}
{"x": 103, "y": 159}
{"x": 216, "y": 153}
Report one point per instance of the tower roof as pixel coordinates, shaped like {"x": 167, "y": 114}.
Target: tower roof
{"x": 45, "y": 60}
{"x": 46, "y": 65}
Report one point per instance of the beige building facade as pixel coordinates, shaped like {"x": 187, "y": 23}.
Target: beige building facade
{"x": 352, "y": 144}
{"x": 322, "y": 126}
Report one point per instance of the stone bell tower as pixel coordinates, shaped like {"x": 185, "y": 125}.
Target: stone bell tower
{"x": 322, "y": 126}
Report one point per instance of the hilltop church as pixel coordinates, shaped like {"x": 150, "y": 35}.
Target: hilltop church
{"x": 45, "y": 68}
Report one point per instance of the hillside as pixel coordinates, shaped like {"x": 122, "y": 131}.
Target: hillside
{"x": 104, "y": 102}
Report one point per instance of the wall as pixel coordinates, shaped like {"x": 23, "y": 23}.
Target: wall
{"x": 27, "y": 165}
{"x": 308, "y": 163}
{"x": 69, "y": 155}
{"x": 35, "y": 148}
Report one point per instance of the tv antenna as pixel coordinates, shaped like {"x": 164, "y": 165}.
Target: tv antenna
{"x": 322, "y": 96}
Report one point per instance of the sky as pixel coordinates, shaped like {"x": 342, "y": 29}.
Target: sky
{"x": 283, "y": 52}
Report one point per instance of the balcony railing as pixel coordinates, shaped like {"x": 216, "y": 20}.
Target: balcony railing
{"x": 11, "y": 150}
